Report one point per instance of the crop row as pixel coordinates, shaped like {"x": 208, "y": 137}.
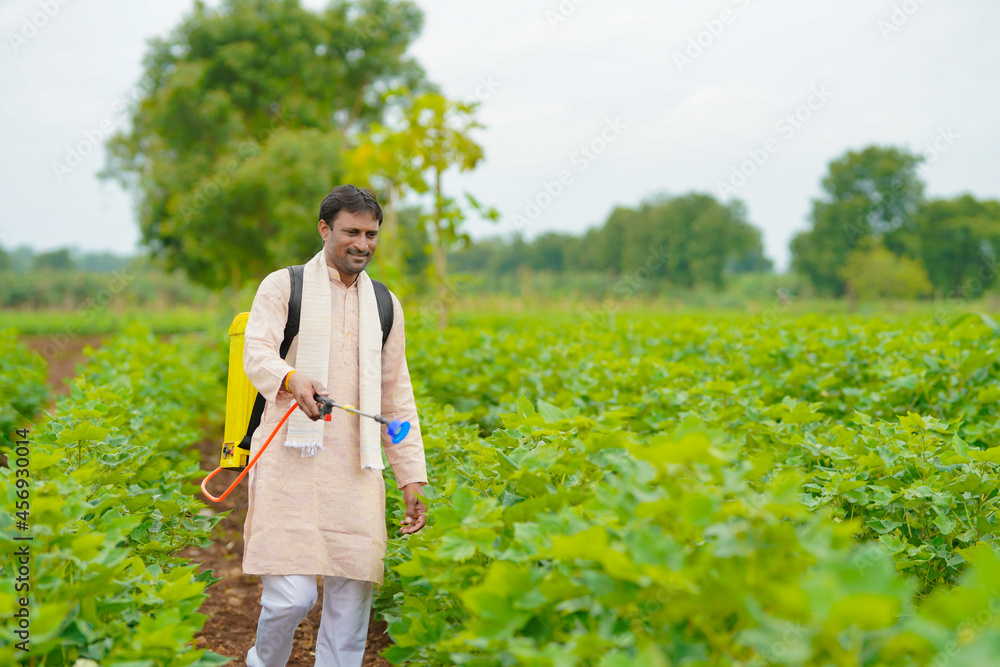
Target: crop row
{"x": 826, "y": 397}
{"x": 703, "y": 492}
{"x": 111, "y": 503}
{"x": 23, "y": 391}
{"x": 645, "y": 491}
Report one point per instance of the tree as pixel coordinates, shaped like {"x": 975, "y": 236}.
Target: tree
{"x": 103, "y": 262}
{"x": 413, "y": 244}
{"x": 384, "y": 160}
{"x": 958, "y": 241}
{"x": 240, "y": 129}
{"x": 688, "y": 241}
{"x": 410, "y": 157}
{"x": 872, "y": 271}
{"x": 436, "y": 135}
{"x": 57, "y": 260}
{"x": 552, "y": 251}
{"x": 691, "y": 240}
{"x": 875, "y": 191}
{"x": 602, "y": 247}
{"x": 266, "y": 215}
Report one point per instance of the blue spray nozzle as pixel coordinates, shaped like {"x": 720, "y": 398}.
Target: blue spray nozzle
{"x": 398, "y": 430}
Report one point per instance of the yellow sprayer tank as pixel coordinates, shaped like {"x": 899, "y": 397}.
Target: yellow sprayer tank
{"x": 240, "y": 395}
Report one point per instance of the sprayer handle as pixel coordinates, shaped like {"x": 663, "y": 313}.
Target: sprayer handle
{"x": 325, "y": 402}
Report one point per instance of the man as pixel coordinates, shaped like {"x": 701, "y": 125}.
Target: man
{"x": 317, "y": 498}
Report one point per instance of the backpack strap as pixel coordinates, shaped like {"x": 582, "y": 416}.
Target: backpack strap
{"x": 385, "y": 310}
{"x": 294, "y": 308}
{"x": 385, "y": 315}
{"x": 291, "y": 331}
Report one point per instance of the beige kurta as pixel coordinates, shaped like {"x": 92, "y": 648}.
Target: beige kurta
{"x": 323, "y": 514}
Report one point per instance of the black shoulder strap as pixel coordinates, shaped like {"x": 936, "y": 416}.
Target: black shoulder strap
{"x": 294, "y": 308}
{"x": 385, "y": 315}
{"x": 385, "y": 310}
{"x": 382, "y": 298}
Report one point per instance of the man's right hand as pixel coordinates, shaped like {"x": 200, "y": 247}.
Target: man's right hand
{"x": 302, "y": 388}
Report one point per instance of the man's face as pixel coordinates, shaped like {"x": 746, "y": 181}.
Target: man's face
{"x": 349, "y": 243}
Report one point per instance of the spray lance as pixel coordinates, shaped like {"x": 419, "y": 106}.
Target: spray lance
{"x": 397, "y": 431}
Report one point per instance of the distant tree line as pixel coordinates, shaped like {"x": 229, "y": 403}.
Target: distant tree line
{"x": 691, "y": 240}
{"x": 26, "y": 259}
{"x": 65, "y": 278}
{"x": 873, "y": 233}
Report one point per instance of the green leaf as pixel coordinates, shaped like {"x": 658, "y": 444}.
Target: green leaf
{"x": 82, "y": 431}
{"x": 524, "y": 406}
{"x": 550, "y": 413}
{"x": 455, "y": 547}
{"x": 991, "y": 455}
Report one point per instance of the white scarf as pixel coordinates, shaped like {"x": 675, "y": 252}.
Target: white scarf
{"x": 313, "y": 358}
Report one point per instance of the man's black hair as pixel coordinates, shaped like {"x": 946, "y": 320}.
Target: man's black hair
{"x": 351, "y": 199}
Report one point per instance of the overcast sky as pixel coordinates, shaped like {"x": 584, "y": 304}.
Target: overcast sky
{"x": 621, "y": 100}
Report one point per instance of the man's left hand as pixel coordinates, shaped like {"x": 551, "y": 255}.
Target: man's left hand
{"x": 416, "y": 511}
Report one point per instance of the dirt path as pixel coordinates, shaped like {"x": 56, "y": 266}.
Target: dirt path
{"x": 233, "y": 604}
{"x": 62, "y": 355}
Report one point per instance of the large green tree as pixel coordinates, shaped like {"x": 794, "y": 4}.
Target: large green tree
{"x": 245, "y": 115}
{"x": 958, "y": 241}
{"x": 875, "y": 191}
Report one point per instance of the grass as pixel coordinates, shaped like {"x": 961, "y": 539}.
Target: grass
{"x": 422, "y": 313}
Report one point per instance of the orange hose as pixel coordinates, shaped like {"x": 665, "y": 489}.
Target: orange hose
{"x": 250, "y": 465}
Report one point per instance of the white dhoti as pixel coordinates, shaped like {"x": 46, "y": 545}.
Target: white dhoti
{"x": 343, "y": 628}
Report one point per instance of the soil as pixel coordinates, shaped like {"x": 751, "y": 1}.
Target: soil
{"x": 62, "y": 353}
{"x": 233, "y": 604}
